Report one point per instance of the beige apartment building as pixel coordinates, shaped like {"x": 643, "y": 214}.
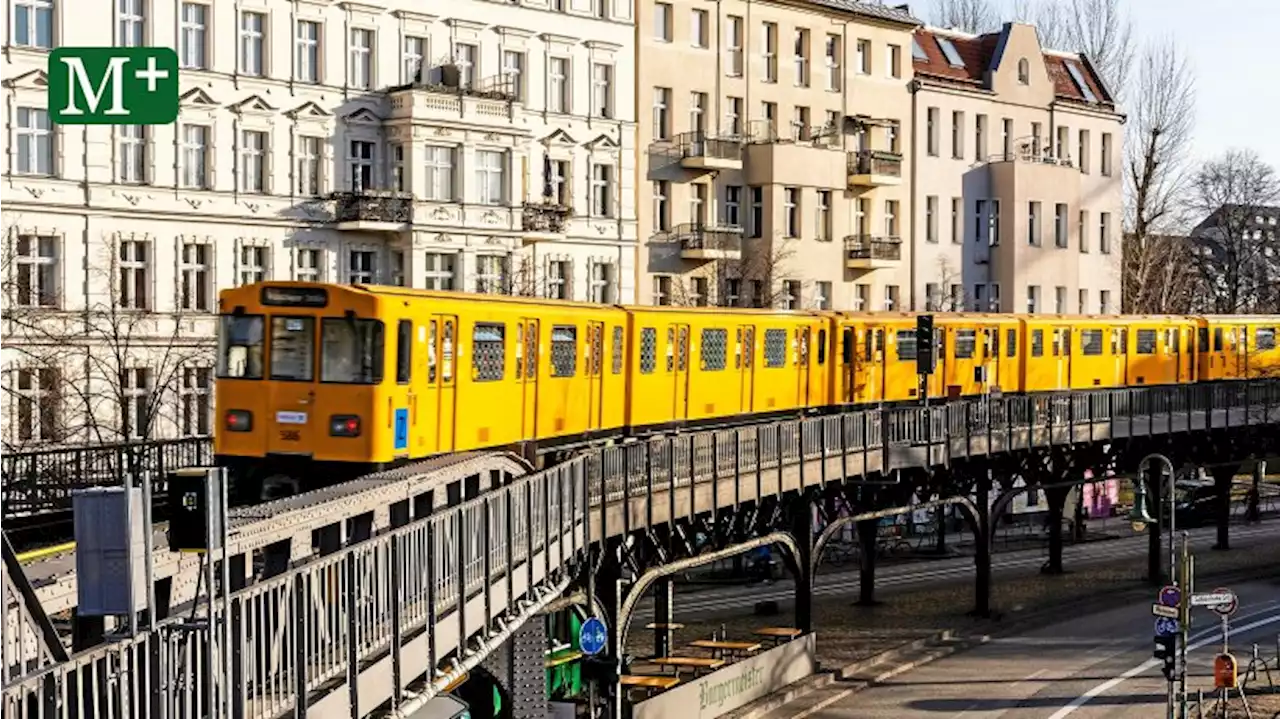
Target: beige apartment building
{"x": 1016, "y": 169}
{"x": 771, "y": 172}
{"x": 799, "y": 157}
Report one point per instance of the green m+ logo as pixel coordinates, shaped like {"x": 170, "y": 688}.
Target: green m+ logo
{"x": 113, "y": 85}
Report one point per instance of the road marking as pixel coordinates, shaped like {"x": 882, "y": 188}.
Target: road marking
{"x": 1034, "y": 675}
{"x": 823, "y": 704}
{"x": 1209, "y": 636}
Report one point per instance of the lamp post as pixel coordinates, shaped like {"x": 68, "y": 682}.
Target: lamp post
{"x": 1140, "y": 518}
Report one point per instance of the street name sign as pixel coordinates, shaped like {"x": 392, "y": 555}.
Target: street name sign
{"x": 1161, "y": 610}
{"x": 1212, "y": 599}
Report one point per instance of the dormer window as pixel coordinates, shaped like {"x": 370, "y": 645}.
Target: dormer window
{"x": 1024, "y": 72}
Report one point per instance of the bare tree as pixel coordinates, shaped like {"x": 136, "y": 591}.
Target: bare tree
{"x": 1102, "y": 32}
{"x": 1236, "y": 263}
{"x": 754, "y": 280}
{"x": 949, "y": 279}
{"x": 974, "y": 16}
{"x": 1158, "y": 274}
{"x": 1049, "y": 17}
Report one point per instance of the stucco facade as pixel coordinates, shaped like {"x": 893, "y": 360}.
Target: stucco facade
{"x": 479, "y": 146}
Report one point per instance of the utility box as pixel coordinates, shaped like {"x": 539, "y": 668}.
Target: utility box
{"x": 196, "y": 509}
{"x": 111, "y": 570}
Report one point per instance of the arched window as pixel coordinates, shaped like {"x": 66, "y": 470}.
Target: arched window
{"x": 1024, "y": 72}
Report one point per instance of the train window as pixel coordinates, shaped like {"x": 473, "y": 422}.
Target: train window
{"x": 682, "y": 356}
{"x": 488, "y": 351}
{"x": 715, "y": 349}
{"x": 822, "y": 347}
{"x": 671, "y": 349}
{"x": 431, "y": 351}
{"x": 869, "y": 346}
{"x": 748, "y": 346}
{"x": 966, "y": 344}
{"x": 1011, "y": 343}
{"x": 595, "y": 335}
{"x": 1203, "y": 339}
{"x": 240, "y": 347}
{"x": 848, "y": 345}
{"x": 906, "y": 341}
{"x": 802, "y": 339}
{"x": 737, "y": 349}
{"x": 1146, "y": 344}
{"x": 404, "y": 351}
{"x": 775, "y": 348}
{"x": 648, "y": 350}
{"x": 351, "y": 351}
{"x": 519, "y": 350}
{"x": 1090, "y": 342}
{"x": 293, "y": 348}
{"x": 1037, "y": 343}
{"x": 992, "y": 342}
{"x": 1264, "y": 338}
{"x": 617, "y": 350}
{"x": 1217, "y": 339}
{"x": 564, "y": 350}
{"x": 446, "y": 352}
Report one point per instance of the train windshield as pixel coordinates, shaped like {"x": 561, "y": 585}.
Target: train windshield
{"x": 240, "y": 347}
{"x": 351, "y": 351}
{"x": 293, "y": 348}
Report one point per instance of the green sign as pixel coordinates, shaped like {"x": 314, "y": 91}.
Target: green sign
{"x": 113, "y": 85}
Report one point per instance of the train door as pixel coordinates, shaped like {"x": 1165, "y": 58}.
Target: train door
{"x": 988, "y": 374}
{"x": 1062, "y": 356}
{"x": 1241, "y": 352}
{"x": 802, "y": 366}
{"x": 297, "y": 420}
{"x": 595, "y": 374}
{"x": 440, "y": 396}
{"x": 1120, "y": 354}
{"x": 744, "y": 361}
{"x": 405, "y": 408}
{"x": 527, "y": 342}
{"x": 678, "y": 365}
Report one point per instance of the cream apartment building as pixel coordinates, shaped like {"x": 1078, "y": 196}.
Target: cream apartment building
{"x": 772, "y": 172}
{"x": 471, "y": 145}
{"x": 1016, "y": 168}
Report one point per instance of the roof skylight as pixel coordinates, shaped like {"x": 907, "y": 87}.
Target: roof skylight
{"x": 917, "y": 51}
{"x": 1078, "y": 79}
{"x": 949, "y": 51}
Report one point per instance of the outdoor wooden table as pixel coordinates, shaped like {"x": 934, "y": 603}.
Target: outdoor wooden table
{"x": 694, "y": 663}
{"x": 650, "y": 685}
{"x": 718, "y": 647}
{"x": 778, "y": 634}
{"x": 663, "y": 625}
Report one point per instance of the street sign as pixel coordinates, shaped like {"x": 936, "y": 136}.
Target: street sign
{"x": 1213, "y": 599}
{"x": 1166, "y": 627}
{"x": 1161, "y": 610}
{"x": 1227, "y": 608}
{"x": 1171, "y": 596}
{"x": 592, "y": 636}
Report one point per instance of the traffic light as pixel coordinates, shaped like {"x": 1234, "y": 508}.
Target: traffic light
{"x": 924, "y": 344}
{"x": 1167, "y": 651}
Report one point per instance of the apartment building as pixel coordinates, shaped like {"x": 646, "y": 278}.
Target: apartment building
{"x": 771, "y": 172}
{"x": 474, "y": 145}
{"x": 1016, "y": 168}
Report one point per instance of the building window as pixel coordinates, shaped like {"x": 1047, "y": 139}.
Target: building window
{"x": 931, "y": 131}
{"x": 1083, "y": 301}
{"x": 196, "y": 273}
{"x": 465, "y": 56}
{"x": 833, "y": 54}
{"x": 308, "y": 265}
{"x": 132, "y": 23}
{"x": 35, "y": 142}
{"x": 558, "y": 279}
{"x": 1104, "y": 301}
{"x": 698, "y": 112}
{"x": 891, "y": 218}
{"x": 195, "y": 157}
{"x": 790, "y": 299}
{"x": 802, "y": 57}
{"x": 253, "y": 161}
{"x": 733, "y": 116}
{"x": 957, "y": 135}
{"x": 440, "y": 169}
{"x": 558, "y": 181}
{"x": 439, "y": 270}
{"x": 957, "y": 221}
{"x": 891, "y": 297}
{"x": 1082, "y": 230}
{"x": 822, "y": 295}
{"x": 932, "y": 297}
{"x": 398, "y": 178}
{"x": 360, "y": 165}
{"x": 698, "y": 34}
{"x": 33, "y": 23}
{"x": 36, "y": 266}
{"x": 1033, "y": 223}
{"x": 1024, "y": 72}
{"x": 132, "y": 144}
{"x": 1082, "y": 152}
{"x": 699, "y": 292}
{"x": 361, "y": 72}
{"x": 894, "y": 54}
{"x": 308, "y": 51}
{"x": 1106, "y": 154}
{"x": 253, "y": 265}
{"x": 980, "y": 138}
{"x": 769, "y": 43}
{"x": 197, "y": 410}
{"x": 602, "y": 282}
{"x": 362, "y": 267}
{"x": 698, "y": 204}
{"x": 252, "y": 34}
{"x": 1060, "y": 225}
{"x": 733, "y": 47}
{"x": 661, "y": 205}
{"x": 1104, "y": 233}
{"x": 755, "y": 227}
{"x": 791, "y": 208}
{"x": 931, "y": 218}
{"x": 39, "y": 403}
{"x": 732, "y": 212}
{"x": 602, "y": 90}
{"x": 491, "y": 273}
{"x": 1033, "y": 298}
{"x": 513, "y": 72}
{"x": 864, "y": 56}
{"x": 309, "y": 156}
{"x": 490, "y": 176}
{"x": 135, "y": 400}
{"x": 558, "y": 85}
{"x": 1006, "y": 139}
{"x": 1060, "y": 300}
{"x": 662, "y": 22}
{"x": 195, "y": 36}
{"x": 662, "y": 113}
{"x": 823, "y": 230}
{"x": 732, "y": 295}
{"x": 661, "y": 290}
{"x": 602, "y": 190}
{"x": 135, "y": 282}
{"x": 411, "y": 56}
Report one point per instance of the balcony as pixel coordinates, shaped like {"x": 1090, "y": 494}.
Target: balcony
{"x": 542, "y": 221}
{"x": 372, "y": 211}
{"x": 812, "y": 158}
{"x": 708, "y": 242}
{"x": 703, "y": 151}
{"x": 874, "y": 168}
{"x": 865, "y": 252}
{"x": 443, "y": 94}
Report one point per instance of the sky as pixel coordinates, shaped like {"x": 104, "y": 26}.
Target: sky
{"x": 1234, "y": 48}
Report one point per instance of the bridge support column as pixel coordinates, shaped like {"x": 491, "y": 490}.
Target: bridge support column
{"x": 1222, "y": 477}
{"x": 802, "y": 530}
{"x": 1057, "y": 499}
{"x": 982, "y": 545}
{"x": 1158, "y": 507}
{"x": 867, "y": 568}
{"x": 663, "y": 616}
{"x": 1253, "y": 505}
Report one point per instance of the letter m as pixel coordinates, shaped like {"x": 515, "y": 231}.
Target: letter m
{"x": 78, "y": 79}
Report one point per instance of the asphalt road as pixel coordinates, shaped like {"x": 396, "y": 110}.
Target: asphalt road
{"x": 696, "y": 601}
{"x": 1085, "y": 668}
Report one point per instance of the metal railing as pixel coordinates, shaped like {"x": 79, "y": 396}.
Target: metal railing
{"x": 373, "y": 206}
{"x": 697, "y": 236}
{"x": 875, "y": 162}
{"x": 699, "y": 143}
{"x": 869, "y": 247}
{"x": 545, "y": 217}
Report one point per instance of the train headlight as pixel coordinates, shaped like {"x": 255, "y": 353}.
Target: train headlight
{"x": 344, "y": 425}
{"x": 238, "y": 420}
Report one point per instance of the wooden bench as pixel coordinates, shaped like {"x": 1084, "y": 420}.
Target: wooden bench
{"x": 778, "y": 634}
{"x": 663, "y": 625}
{"x": 696, "y": 664}
{"x": 649, "y": 685}
{"x": 720, "y": 648}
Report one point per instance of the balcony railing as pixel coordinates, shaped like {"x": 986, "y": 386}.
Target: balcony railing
{"x": 449, "y": 79}
{"x": 699, "y": 241}
{"x": 373, "y": 207}
{"x": 875, "y": 162}
{"x": 545, "y": 218}
{"x": 708, "y": 146}
{"x": 868, "y": 247}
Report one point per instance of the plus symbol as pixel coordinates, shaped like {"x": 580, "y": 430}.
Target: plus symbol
{"x": 151, "y": 74}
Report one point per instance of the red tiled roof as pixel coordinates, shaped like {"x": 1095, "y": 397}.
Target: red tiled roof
{"x": 977, "y": 53}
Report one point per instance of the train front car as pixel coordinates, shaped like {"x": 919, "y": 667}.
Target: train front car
{"x": 300, "y": 369}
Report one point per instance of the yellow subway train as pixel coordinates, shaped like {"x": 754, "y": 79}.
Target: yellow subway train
{"x": 333, "y": 381}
